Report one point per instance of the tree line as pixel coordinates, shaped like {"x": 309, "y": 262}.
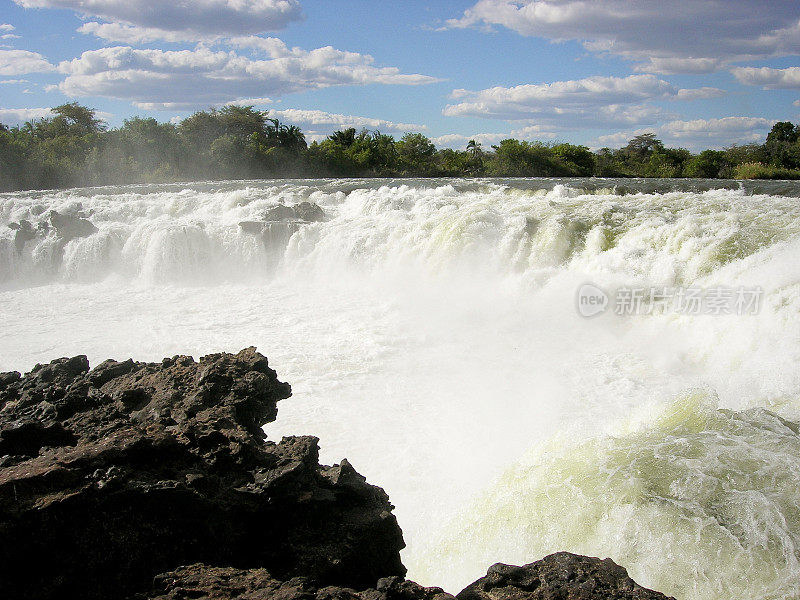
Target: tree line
{"x": 75, "y": 148}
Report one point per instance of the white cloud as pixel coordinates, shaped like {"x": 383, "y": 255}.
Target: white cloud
{"x": 530, "y": 133}
{"x": 19, "y": 62}
{"x": 770, "y": 79}
{"x": 8, "y": 36}
{"x": 697, "y": 134}
{"x": 703, "y": 34}
{"x": 250, "y": 102}
{"x": 131, "y": 34}
{"x": 591, "y": 102}
{"x": 673, "y": 66}
{"x": 17, "y": 116}
{"x": 317, "y": 124}
{"x": 700, "y": 93}
{"x": 459, "y": 142}
{"x": 200, "y": 17}
{"x": 185, "y": 79}
{"x": 13, "y": 81}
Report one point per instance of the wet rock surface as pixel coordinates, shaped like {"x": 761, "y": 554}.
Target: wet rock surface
{"x": 310, "y": 212}
{"x": 68, "y": 227}
{"x": 282, "y": 222}
{"x": 204, "y": 581}
{"x": 307, "y": 212}
{"x": 560, "y": 576}
{"x": 112, "y": 475}
{"x": 155, "y": 481}
{"x": 65, "y": 227}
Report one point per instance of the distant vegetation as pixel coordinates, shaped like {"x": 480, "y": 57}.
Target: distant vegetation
{"x": 74, "y": 148}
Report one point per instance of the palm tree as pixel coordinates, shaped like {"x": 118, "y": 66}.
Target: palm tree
{"x": 344, "y": 138}
{"x": 292, "y": 138}
{"x": 476, "y": 157}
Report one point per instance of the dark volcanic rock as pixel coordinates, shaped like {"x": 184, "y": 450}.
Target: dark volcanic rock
{"x": 561, "y": 576}
{"x": 111, "y": 476}
{"x": 280, "y": 213}
{"x": 24, "y": 233}
{"x": 69, "y": 227}
{"x": 309, "y": 211}
{"x": 204, "y": 581}
{"x": 155, "y": 482}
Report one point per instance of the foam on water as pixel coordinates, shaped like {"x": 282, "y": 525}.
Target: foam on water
{"x": 430, "y": 333}
{"x": 701, "y": 504}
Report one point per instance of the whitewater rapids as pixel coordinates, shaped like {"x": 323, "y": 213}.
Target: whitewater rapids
{"x": 430, "y": 333}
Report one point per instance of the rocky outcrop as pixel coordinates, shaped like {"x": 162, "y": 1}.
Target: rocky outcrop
{"x": 561, "y": 576}
{"x": 204, "y": 581}
{"x": 69, "y": 226}
{"x": 155, "y": 481}
{"x": 24, "y": 233}
{"x": 65, "y": 227}
{"x": 308, "y": 212}
{"x": 281, "y": 222}
{"x": 112, "y": 475}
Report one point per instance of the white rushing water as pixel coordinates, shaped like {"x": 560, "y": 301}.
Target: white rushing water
{"x": 429, "y": 330}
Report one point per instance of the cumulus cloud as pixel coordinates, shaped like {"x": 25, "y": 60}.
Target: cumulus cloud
{"x": 530, "y": 133}
{"x": 250, "y": 102}
{"x": 769, "y": 79}
{"x": 198, "y": 19}
{"x": 318, "y": 124}
{"x": 132, "y": 34}
{"x": 185, "y": 79}
{"x": 7, "y": 27}
{"x": 321, "y": 122}
{"x": 594, "y": 101}
{"x": 458, "y": 141}
{"x": 20, "y": 62}
{"x": 17, "y": 116}
{"x": 702, "y": 93}
{"x": 698, "y": 134}
{"x": 667, "y": 36}
{"x": 674, "y": 66}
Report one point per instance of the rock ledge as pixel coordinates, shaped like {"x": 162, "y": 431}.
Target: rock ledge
{"x": 156, "y": 481}
{"x": 112, "y": 475}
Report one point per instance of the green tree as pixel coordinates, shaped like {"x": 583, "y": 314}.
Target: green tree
{"x": 515, "y": 158}
{"x": 781, "y": 146}
{"x": 708, "y": 164}
{"x": 68, "y": 120}
{"x": 643, "y": 145}
{"x": 345, "y": 138}
{"x": 416, "y": 155}
{"x": 577, "y": 161}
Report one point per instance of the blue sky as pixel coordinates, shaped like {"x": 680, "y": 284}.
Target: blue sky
{"x": 700, "y": 74}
